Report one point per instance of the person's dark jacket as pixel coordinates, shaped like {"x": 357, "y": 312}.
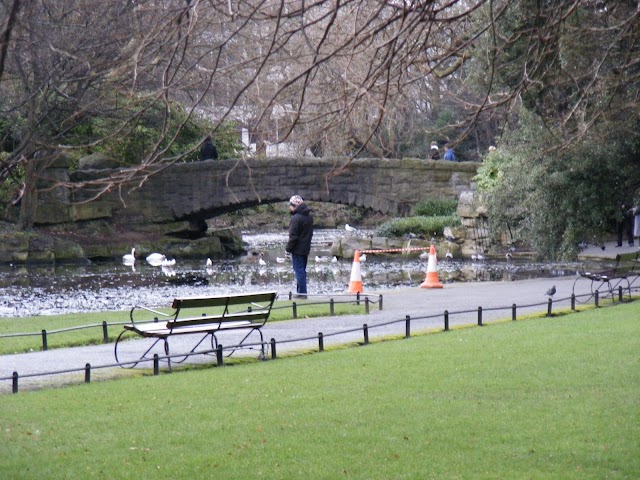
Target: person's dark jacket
{"x": 209, "y": 151}
{"x": 300, "y": 231}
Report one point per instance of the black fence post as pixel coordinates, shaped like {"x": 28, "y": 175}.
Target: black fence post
{"x": 273, "y": 348}
{"x": 479, "y": 316}
{"x": 597, "y": 298}
{"x": 620, "y": 294}
{"x": 295, "y": 310}
{"x": 380, "y": 303}
{"x": 156, "y": 364}
{"x": 14, "y": 386}
{"x": 365, "y": 330}
{"x": 573, "y": 301}
{"x": 366, "y": 304}
{"x": 446, "y": 320}
{"x": 290, "y": 295}
{"x": 549, "y": 306}
{"x": 105, "y": 333}
{"x": 332, "y": 310}
{"x": 219, "y": 355}
{"x": 513, "y": 312}
{"x": 320, "y": 342}
{"x": 87, "y": 373}
{"x": 407, "y": 327}
{"x": 357, "y": 298}
{"x": 44, "y": 340}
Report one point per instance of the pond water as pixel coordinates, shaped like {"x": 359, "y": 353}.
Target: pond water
{"x": 49, "y": 290}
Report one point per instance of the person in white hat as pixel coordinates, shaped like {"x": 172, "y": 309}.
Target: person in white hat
{"x": 299, "y": 244}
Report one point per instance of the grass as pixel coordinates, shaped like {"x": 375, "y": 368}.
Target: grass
{"x": 547, "y": 398}
{"x": 90, "y": 336}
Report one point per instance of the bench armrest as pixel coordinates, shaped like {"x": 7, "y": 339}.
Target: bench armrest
{"x": 141, "y": 307}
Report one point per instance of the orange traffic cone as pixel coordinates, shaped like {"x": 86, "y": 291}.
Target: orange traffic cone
{"x": 432, "y": 280}
{"x": 355, "y": 284}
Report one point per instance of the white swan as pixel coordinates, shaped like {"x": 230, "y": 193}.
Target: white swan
{"x": 129, "y": 258}
{"x": 208, "y": 263}
{"x": 156, "y": 259}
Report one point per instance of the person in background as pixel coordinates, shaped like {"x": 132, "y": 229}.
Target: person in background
{"x": 208, "y": 150}
{"x": 624, "y": 223}
{"x": 449, "y": 153}
{"x": 299, "y": 244}
{"x": 434, "y": 152}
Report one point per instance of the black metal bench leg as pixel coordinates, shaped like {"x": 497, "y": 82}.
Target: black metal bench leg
{"x": 166, "y": 352}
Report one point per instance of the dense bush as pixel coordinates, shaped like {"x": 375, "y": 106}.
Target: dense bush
{"x": 436, "y": 207}
{"x": 426, "y": 226}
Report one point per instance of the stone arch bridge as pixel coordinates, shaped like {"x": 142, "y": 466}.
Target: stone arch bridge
{"x": 194, "y": 192}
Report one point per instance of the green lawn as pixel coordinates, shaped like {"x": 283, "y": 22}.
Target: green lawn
{"x": 537, "y": 399}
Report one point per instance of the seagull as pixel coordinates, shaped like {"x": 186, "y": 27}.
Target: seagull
{"x": 129, "y": 258}
{"x": 261, "y": 262}
{"x": 334, "y": 259}
{"x": 480, "y": 257}
{"x": 363, "y": 257}
{"x": 449, "y": 255}
{"x": 551, "y": 292}
{"x": 156, "y": 259}
{"x": 424, "y": 256}
{"x": 474, "y": 257}
{"x": 349, "y": 228}
{"x": 208, "y": 263}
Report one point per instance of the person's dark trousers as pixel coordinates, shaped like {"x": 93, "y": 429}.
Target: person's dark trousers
{"x": 300, "y": 271}
{"x": 625, "y": 226}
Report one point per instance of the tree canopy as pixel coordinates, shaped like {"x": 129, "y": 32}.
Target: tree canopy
{"x": 359, "y": 77}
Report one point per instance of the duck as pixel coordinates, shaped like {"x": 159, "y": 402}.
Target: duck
{"x": 156, "y": 259}
{"x": 129, "y": 258}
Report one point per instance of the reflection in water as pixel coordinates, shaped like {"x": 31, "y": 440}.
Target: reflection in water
{"x": 46, "y": 290}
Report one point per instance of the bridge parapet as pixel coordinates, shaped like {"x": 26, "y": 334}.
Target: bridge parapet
{"x": 193, "y": 192}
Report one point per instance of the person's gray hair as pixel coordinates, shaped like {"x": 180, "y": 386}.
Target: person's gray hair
{"x": 296, "y": 200}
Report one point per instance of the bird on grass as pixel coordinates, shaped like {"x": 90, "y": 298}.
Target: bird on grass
{"x": 551, "y": 292}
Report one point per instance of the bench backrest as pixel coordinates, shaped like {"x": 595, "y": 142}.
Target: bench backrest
{"x": 252, "y": 307}
{"x": 225, "y": 300}
{"x": 628, "y": 262}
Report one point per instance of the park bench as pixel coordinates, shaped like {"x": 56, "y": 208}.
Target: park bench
{"x": 204, "y": 317}
{"x": 626, "y": 270}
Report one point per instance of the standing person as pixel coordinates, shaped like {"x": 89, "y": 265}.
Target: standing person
{"x": 624, "y": 222}
{"x": 449, "y": 154}
{"x": 208, "y": 150}
{"x": 635, "y": 219}
{"x": 434, "y": 152}
{"x": 299, "y": 244}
